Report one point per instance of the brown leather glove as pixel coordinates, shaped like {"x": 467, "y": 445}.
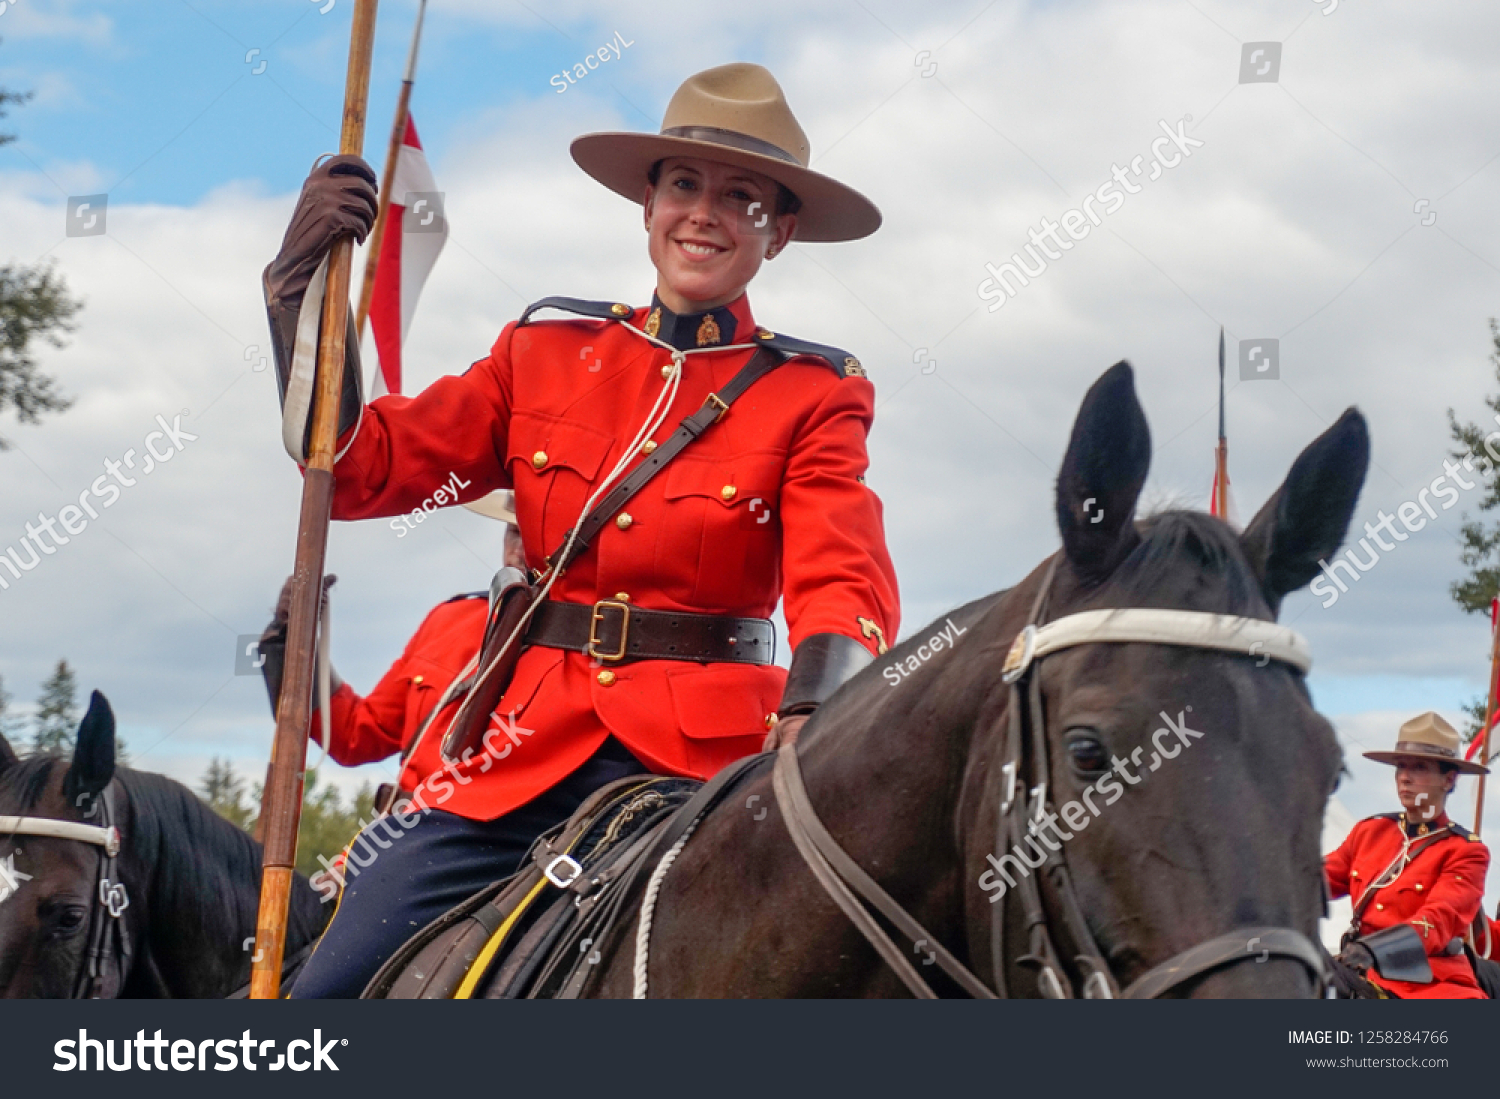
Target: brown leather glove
{"x": 337, "y": 199}
{"x": 272, "y": 646}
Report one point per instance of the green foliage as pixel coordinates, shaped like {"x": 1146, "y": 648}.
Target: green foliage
{"x": 34, "y": 305}
{"x": 327, "y": 822}
{"x": 10, "y": 724}
{"x": 1479, "y": 545}
{"x": 225, "y": 793}
{"x": 56, "y": 712}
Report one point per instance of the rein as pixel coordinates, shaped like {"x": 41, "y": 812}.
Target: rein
{"x": 1026, "y": 738}
{"x": 107, "y": 953}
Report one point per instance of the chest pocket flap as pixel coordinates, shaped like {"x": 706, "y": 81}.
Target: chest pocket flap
{"x": 730, "y": 482}
{"x": 542, "y": 443}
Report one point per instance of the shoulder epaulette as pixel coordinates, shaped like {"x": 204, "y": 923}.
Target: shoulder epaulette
{"x": 599, "y": 310}
{"x": 468, "y": 595}
{"x": 1385, "y": 816}
{"x": 1462, "y": 833}
{"x": 844, "y": 364}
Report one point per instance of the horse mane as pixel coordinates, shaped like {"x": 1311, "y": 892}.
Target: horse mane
{"x": 198, "y": 861}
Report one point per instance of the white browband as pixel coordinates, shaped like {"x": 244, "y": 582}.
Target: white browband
{"x": 1195, "y": 629}
{"x": 107, "y": 838}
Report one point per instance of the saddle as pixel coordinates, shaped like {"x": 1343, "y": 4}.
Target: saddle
{"x": 541, "y": 931}
{"x": 487, "y": 945}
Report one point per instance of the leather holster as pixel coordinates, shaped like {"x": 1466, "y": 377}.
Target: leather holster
{"x": 510, "y": 596}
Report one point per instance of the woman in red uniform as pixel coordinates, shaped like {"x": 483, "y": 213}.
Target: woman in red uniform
{"x": 653, "y": 647}
{"x": 1415, "y": 869}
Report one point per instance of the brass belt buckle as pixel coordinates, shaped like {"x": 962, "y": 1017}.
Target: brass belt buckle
{"x": 717, "y": 402}
{"x": 593, "y": 646}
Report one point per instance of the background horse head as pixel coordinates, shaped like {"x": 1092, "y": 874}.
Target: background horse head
{"x": 191, "y": 879}
{"x": 1189, "y": 783}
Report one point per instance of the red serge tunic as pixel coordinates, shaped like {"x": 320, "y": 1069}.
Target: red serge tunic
{"x": 382, "y": 723}
{"x": 1438, "y": 894}
{"x": 768, "y": 503}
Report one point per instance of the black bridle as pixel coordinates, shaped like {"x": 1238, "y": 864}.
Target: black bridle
{"x": 1050, "y": 890}
{"x": 1049, "y": 904}
{"x": 107, "y": 952}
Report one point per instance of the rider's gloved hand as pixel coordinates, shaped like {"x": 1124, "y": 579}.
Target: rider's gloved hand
{"x": 1357, "y": 956}
{"x": 337, "y": 199}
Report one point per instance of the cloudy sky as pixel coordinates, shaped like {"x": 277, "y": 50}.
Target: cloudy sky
{"x": 1338, "y": 197}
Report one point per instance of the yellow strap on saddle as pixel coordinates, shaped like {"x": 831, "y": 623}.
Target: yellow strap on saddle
{"x": 481, "y": 964}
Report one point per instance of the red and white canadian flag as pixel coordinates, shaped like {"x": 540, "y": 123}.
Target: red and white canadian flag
{"x": 413, "y": 238}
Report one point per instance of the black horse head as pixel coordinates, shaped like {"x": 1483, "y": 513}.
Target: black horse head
{"x": 1198, "y": 778}
{"x": 191, "y": 880}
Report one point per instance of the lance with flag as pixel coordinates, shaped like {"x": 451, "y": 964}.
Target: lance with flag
{"x": 327, "y": 331}
{"x": 1218, "y": 504}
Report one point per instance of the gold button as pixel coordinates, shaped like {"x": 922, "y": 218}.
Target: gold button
{"x": 1419, "y": 887}
{"x": 416, "y": 679}
{"x": 764, "y": 334}
{"x": 728, "y": 492}
{"x": 666, "y": 371}
{"x": 623, "y": 520}
{"x": 539, "y": 459}
{"x": 622, "y": 597}
{"x": 770, "y": 720}
{"x": 606, "y": 678}
{"x": 1381, "y": 907}
{"x": 620, "y": 310}
{"x": 648, "y": 446}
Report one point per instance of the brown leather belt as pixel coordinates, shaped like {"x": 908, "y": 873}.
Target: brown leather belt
{"x": 613, "y": 631}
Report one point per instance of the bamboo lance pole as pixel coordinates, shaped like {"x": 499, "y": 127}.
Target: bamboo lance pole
{"x": 388, "y": 176}
{"x": 283, "y": 802}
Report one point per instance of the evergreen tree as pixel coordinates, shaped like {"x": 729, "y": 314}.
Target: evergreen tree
{"x": 224, "y": 792}
{"x": 1479, "y": 541}
{"x": 56, "y": 712}
{"x": 10, "y": 724}
{"x": 34, "y": 305}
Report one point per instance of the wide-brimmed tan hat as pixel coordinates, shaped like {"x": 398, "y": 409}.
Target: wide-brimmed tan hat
{"x": 500, "y": 504}
{"x": 734, "y": 114}
{"x": 1429, "y": 737}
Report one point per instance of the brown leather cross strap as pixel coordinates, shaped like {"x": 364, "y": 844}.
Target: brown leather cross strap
{"x": 833, "y": 868}
{"x": 613, "y": 631}
{"x": 761, "y": 363}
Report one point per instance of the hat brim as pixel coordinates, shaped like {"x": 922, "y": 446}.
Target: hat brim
{"x": 500, "y": 504}
{"x": 830, "y": 210}
{"x": 1464, "y": 766}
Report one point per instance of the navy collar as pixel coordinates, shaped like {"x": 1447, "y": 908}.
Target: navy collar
{"x": 689, "y": 331}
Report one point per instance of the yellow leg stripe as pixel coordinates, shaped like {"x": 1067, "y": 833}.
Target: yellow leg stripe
{"x": 471, "y": 979}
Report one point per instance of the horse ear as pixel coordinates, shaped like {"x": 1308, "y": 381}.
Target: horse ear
{"x": 1306, "y": 519}
{"x": 94, "y": 756}
{"x": 1102, "y": 475}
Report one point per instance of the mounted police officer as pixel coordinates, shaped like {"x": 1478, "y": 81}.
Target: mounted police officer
{"x": 1415, "y": 877}
{"x": 653, "y": 648}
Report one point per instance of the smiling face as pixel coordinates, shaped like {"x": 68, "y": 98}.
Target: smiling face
{"x": 710, "y": 227}
{"x": 1423, "y": 788}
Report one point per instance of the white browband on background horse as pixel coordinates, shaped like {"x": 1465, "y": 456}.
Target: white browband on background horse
{"x": 107, "y": 838}
{"x": 1194, "y": 629}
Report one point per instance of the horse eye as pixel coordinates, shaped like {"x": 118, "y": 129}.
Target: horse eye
{"x": 69, "y": 920}
{"x": 1087, "y": 754}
